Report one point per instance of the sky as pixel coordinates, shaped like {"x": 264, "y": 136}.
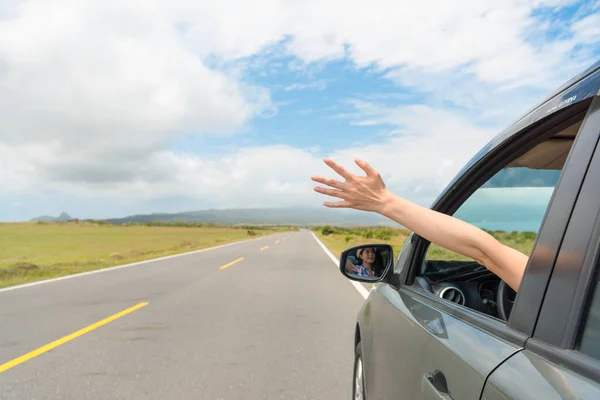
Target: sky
{"x": 111, "y": 108}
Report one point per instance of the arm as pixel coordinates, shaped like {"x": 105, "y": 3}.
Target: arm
{"x": 350, "y": 268}
{"x": 459, "y": 236}
{"x": 370, "y": 194}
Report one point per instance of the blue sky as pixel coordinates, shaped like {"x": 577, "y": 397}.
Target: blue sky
{"x": 143, "y": 106}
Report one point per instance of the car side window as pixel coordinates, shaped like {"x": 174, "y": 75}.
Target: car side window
{"x": 510, "y": 206}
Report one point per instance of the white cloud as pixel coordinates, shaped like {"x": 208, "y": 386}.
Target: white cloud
{"x": 430, "y": 146}
{"x": 317, "y": 85}
{"x": 487, "y": 38}
{"x": 427, "y": 150}
{"x": 95, "y": 80}
{"x": 92, "y": 93}
{"x": 260, "y": 176}
{"x": 587, "y": 30}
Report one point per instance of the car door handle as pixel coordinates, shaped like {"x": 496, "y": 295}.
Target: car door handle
{"x": 434, "y": 386}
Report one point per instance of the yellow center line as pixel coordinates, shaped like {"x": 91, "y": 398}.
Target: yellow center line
{"x": 65, "y": 339}
{"x": 231, "y": 263}
{"x": 266, "y": 247}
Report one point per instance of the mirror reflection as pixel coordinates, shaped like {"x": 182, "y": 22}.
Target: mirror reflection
{"x": 368, "y": 262}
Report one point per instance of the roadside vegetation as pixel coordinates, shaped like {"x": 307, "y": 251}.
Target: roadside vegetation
{"x": 338, "y": 239}
{"x": 41, "y": 250}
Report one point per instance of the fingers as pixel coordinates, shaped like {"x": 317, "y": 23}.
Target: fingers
{"x": 339, "y": 169}
{"x": 338, "y": 204}
{"x": 330, "y": 192}
{"x": 329, "y": 182}
{"x": 370, "y": 171}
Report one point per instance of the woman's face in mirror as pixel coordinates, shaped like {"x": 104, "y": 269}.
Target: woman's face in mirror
{"x": 368, "y": 255}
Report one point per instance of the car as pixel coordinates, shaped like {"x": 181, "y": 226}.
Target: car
{"x": 437, "y": 325}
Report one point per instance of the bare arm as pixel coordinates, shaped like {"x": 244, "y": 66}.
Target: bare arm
{"x": 370, "y": 194}
{"x": 350, "y": 268}
{"x": 459, "y": 236}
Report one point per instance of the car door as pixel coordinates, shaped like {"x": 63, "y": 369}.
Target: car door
{"x": 562, "y": 359}
{"x": 427, "y": 347}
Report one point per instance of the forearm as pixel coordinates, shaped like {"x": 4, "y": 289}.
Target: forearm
{"x": 444, "y": 230}
{"x": 459, "y": 236}
{"x": 349, "y": 267}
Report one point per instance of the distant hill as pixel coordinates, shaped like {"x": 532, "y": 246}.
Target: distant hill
{"x": 265, "y": 216}
{"x": 63, "y": 217}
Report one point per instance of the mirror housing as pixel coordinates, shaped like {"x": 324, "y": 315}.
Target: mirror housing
{"x": 367, "y": 262}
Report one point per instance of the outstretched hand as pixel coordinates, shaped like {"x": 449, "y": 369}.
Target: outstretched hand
{"x": 367, "y": 193}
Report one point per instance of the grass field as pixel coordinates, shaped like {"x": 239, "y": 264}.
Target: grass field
{"x": 34, "y": 251}
{"x": 338, "y": 239}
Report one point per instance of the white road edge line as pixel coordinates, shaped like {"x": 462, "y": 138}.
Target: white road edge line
{"x": 361, "y": 289}
{"x": 97, "y": 271}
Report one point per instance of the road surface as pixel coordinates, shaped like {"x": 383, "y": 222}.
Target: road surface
{"x": 270, "y": 318}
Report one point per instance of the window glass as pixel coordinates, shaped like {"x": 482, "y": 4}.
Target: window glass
{"x": 510, "y": 206}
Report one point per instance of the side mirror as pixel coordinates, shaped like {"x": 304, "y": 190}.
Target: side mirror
{"x": 367, "y": 262}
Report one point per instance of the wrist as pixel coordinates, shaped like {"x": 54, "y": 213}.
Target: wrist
{"x": 387, "y": 203}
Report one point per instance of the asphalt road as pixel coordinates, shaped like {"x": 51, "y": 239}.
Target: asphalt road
{"x": 278, "y": 324}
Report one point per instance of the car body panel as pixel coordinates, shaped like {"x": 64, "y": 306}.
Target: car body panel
{"x": 527, "y": 376}
{"x": 409, "y": 338}
{"x": 573, "y": 272}
{"x": 552, "y": 231}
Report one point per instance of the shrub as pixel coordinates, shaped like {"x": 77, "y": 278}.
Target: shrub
{"x": 326, "y": 230}
{"x": 384, "y": 234}
{"x": 348, "y": 238}
{"x": 529, "y": 235}
{"x": 497, "y": 234}
{"x": 250, "y": 232}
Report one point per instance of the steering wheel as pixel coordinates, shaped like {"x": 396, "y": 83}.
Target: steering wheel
{"x": 505, "y": 299}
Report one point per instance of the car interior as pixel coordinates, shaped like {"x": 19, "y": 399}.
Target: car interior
{"x": 468, "y": 283}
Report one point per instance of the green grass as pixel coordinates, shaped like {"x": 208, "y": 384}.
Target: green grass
{"x": 35, "y": 251}
{"x": 338, "y": 239}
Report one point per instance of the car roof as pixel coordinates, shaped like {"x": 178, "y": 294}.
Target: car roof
{"x": 584, "y": 85}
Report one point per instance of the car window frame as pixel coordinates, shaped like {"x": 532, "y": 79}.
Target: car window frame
{"x": 573, "y": 284}
{"x": 560, "y": 202}
{"x": 559, "y": 327}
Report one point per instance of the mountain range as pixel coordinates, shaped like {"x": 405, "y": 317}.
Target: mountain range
{"x": 265, "y": 216}
{"x": 63, "y": 217}
{"x": 500, "y": 218}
